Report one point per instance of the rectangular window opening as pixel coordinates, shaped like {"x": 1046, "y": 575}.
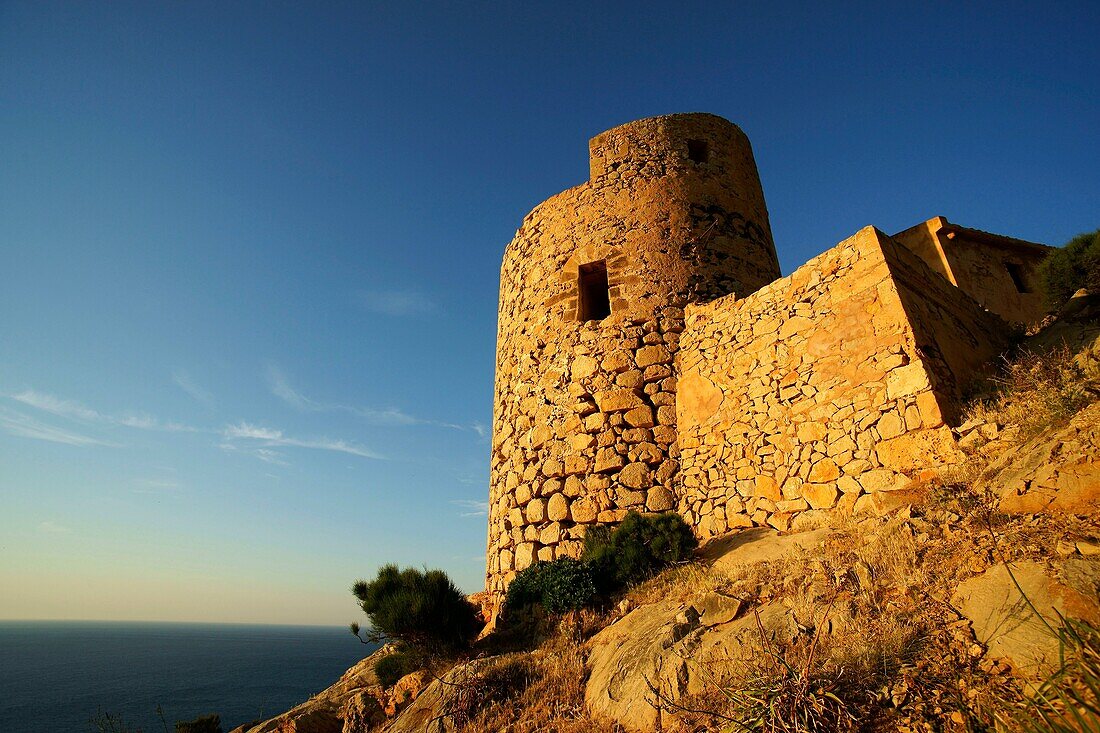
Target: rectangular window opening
{"x": 698, "y": 150}
{"x": 594, "y": 301}
{"x": 1016, "y": 272}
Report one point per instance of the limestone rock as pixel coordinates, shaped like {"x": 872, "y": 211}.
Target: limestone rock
{"x": 760, "y": 544}
{"x": 635, "y": 476}
{"x": 557, "y": 508}
{"x": 653, "y": 645}
{"x": 820, "y": 496}
{"x": 660, "y": 499}
{"x": 1014, "y": 626}
{"x": 618, "y": 400}
{"x": 584, "y": 510}
{"x": 1053, "y": 473}
{"x": 650, "y": 355}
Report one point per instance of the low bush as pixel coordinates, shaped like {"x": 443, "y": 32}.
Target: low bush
{"x": 558, "y": 586}
{"x": 1070, "y": 268}
{"x": 612, "y": 559}
{"x": 392, "y": 667}
{"x": 421, "y": 608}
{"x": 640, "y": 546}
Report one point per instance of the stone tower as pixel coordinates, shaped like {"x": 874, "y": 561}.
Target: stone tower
{"x": 592, "y": 296}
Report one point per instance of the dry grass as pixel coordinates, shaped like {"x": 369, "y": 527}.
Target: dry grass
{"x": 540, "y": 691}
{"x": 1037, "y": 391}
{"x": 677, "y": 584}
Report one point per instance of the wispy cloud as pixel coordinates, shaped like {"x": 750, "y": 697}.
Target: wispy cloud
{"x": 398, "y": 303}
{"x": 155, "y": 486}
{"x": 471, "y": 507}
{"x": 52, "y": 527}
{"x": 256, "y": 435}
{"x": 280, "y": 387}
{"x": 184, "y": 381}
{"x": 24, "y": 426}
{"x": 76, "y": 411}
{"x": 270, "y": 456}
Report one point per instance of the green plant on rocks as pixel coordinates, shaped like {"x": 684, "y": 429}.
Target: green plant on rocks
{"x": 423, "y": 609}
{"x": 1070, "y": 268}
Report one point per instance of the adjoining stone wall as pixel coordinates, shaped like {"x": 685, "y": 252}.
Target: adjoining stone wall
{"x": 584, "y": 413}
{"x": 983, "y": 265}
{"x": 823, "y": 388}
{"x": 957, "y": 338}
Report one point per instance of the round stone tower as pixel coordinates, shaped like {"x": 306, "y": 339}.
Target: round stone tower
{"x": 592, "y": 292}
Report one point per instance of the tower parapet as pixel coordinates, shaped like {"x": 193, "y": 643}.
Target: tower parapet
{"x": 592, "y": 292}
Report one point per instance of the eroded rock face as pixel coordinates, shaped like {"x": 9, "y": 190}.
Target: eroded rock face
{"x": 653, "y": 655}
{"x": 1018, "y": 627}
{"x": 425, "y": 713}
{"x": 325, "y": 712}
{"x": 361, "y": 712}
{"x": 1057, "y": 472}
{"x": 760, "y": 544}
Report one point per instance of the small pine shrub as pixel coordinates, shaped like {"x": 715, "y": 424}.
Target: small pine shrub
{"x": 204, "y": 724}
{"x": 422, "y": 608}
{"x": 392, "y": 667}
{"x": 612, "y": 559}
{"x": 599, "y": 556}
{"x": 640, "y": 546}
{"x": 558, "y": 586}
{"x": 1070, "y": 268}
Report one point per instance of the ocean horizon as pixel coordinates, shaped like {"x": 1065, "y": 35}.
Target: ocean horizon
{"x": 56, "y": 676}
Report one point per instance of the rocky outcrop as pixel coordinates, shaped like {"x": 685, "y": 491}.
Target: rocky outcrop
{"x": 1055, "y": 472}
{"x": 643, "y": 663}
{"x": 1014, "y": 610}
{"x": 352, "y": 704}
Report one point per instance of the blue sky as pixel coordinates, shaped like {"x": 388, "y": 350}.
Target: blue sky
{"x": 249, "y": 251}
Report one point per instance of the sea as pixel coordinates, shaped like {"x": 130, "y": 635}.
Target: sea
{"x": 57, "y": 676}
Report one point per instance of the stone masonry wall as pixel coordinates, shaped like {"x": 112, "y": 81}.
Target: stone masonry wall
{"x": 822, "y": 389}
{"x": 981, "y": 265}
{"x": 584, "y": 414}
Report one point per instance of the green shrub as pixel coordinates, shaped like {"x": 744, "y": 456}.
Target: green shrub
{"x": 422, "y": 608}
{"x": 1070, "y": 268}
{"x": 599, "y": 556}
{"x": 640, "y": 546}
{"x": 204, "y": 724}
{"x": 392, "y": 667}
{"x": 558, "y": 586}
{"x": 612, "y": 559}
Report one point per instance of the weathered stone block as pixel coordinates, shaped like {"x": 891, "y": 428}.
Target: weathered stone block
{"x": 618, "y": 400}
{"x": 536, "y": 511}
{"x": 640, "y": 417}
{"x": 635, "y": 476}
{"x": 649, "y": 355}
{"x": 821, "y": 496}
{"x": 557, "y": 508}
{"x": 660, "y": 499}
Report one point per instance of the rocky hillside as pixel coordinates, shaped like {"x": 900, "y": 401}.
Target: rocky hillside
{"x": 939, "y": 608}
